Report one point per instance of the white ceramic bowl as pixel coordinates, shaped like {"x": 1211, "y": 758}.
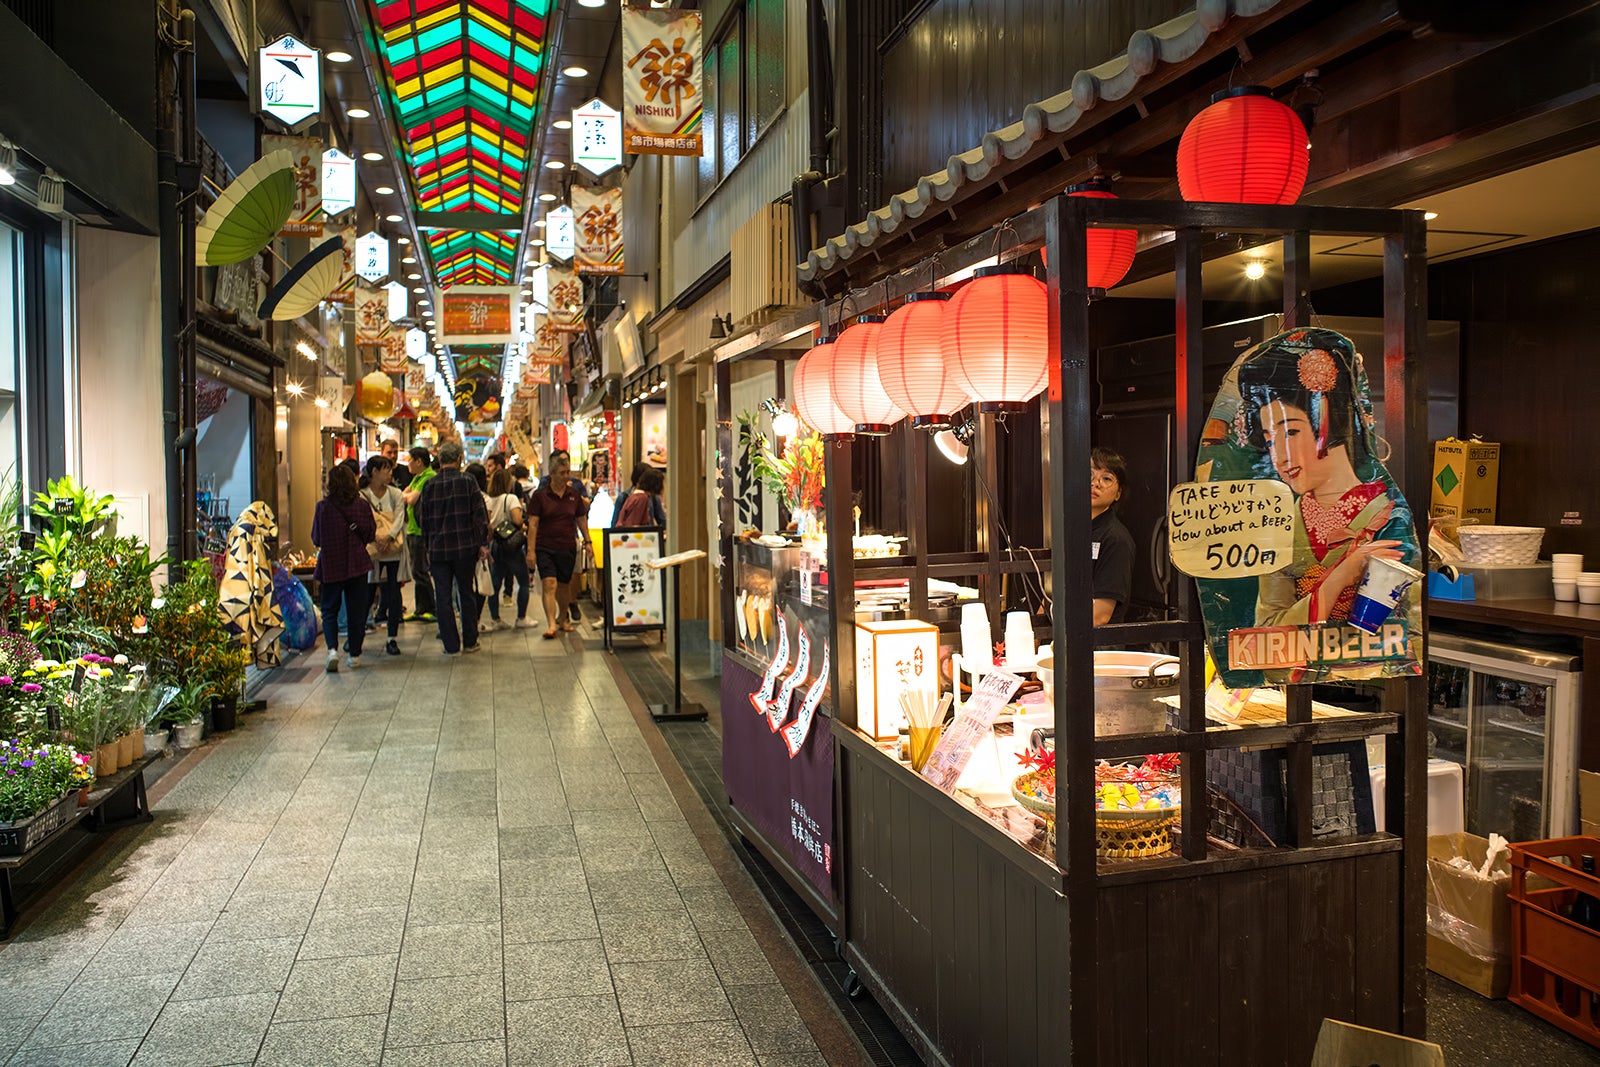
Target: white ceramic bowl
{"x": 1565, "y": 590}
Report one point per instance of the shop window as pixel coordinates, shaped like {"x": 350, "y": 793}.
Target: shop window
{"x": 11, "y": 293}
{"x": 744, "y": 87}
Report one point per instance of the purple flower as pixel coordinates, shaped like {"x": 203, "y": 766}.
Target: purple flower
{"x": 27, "y": 763}
{"x": 5, "y": 679}
{"x": 31, "y": 687}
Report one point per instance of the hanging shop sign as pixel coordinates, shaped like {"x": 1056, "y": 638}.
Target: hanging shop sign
{"x": 635, "y": 594}
{"x": 305, "y": 217}
{"x": 541, "y": 286}
{"x": 371, "y": 319}
{"x": 416, "y": 381}
{"x": 597, "y": 137}
{"x": 566, "y": 301}
{"x": 661, "y": 87}
{"x": 536, "y": 376}
{"x": 338, "y": 182}
{"x": 561, "y": 232}
{"x": 372, "y": 256}
{"x": 416, "y": 343}
{"x": 477, "y": 314}
{"x": 331, "y": 400}
{"x": 344, "y": 292}
{"x": 599, "y": 213}
{"x": 477, "y": 399}
{"x": 289, "y": 82}
{"x": 399, "y": 301}
{"x": 1301, "y": 542}
{"x": 392, "y": 358}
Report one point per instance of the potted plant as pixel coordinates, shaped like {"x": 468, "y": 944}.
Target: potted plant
{"x": 224, "y": 667}
{"x": 184, "y": 713}
{"x": 37, "y": 791}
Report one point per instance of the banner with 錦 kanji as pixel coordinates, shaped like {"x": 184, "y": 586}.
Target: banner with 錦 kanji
{"x": 661, "y": 84}
{"x": 372, "y": 315}
{"x": 305, "y": 218}
{"x": 345, "y": 292}
{"x": 599, "y": 214}
{"x": 566, "y": 301}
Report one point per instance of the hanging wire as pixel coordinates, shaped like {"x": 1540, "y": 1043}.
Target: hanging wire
{"x": 999, "y": 233}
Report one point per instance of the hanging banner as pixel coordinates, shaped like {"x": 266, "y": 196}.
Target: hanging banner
{"x": 566, "y": 301}
{"x": 599, "y": 214}
{"x": 416, "y": 382}
{"x": 536, "y": 376}
{"x": 345, "y": 292}
{"x": 371, "y": 315}
{"x": 392, "y": 358}
{"x": 331, "y": 401}
{"x": 477, "y": 314}
{"x": 372, "y": 256}
{"x": 1311, "y": 576}
{"x": 399, "y": 301}
{"x": 661, "y": 89}
{"x": 561, "y": 232}
{"x": 477, "y": 399}
{"x": 305, "y": 218}
{"x": 338, "y": 183}
{"x": 289, "y": 82}
{"x": 597, "y": 137}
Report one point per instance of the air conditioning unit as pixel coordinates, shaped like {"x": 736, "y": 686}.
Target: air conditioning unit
{"x": 762, "y": 268}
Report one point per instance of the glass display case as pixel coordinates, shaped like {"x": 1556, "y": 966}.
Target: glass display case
{"x": 1509, "y": 716}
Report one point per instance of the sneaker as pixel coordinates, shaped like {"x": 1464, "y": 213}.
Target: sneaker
{"x": 355, "y": 662}
{"x": 371, "y": 626}
{"x": 524, "y": 624}
{"x": 447, "y": 652}
{"x": 574, "y": 613}
{"x": 392, "y": 648}
{"x": 413, "y": 617}
{"x": 427, "y": 616}
{"x": 470, "y": 649}
{"x": 333, "y": 663}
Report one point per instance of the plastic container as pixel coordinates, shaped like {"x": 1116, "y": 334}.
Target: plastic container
{"x": 1555, "y": 963}
{"x": 1501, "y": 545}
{"x": 1447, "y": 811}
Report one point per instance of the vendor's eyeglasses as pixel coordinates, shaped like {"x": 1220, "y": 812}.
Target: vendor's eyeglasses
{"x": 1103, "y": 481}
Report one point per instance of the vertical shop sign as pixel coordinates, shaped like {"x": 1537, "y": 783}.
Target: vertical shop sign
{"x": 976, "y": 722}
{"x": 611, "y": 445}
{"x": 372, "y": 256}
{"x": 331, "y": 397}
{"x": 345, "y": 292}
{"x": 371, "y": 319}
{"x": 338, "y": 183}
{"x": 566, "y": 301}
{"x": 561, "y": 232}
{"x": 416, "y": 343}
{"x": 635, "y": 593}
{"x": 597, "y": 137}
{"x": 289, "y": 82}
{"x": 399, "y": 301}
{"x": 392, "y": 360}
{"x": 599, "y": 217}
{"x": 661, "y": 84}
{"x": 478, "y": 314}
{"x": 305, "y": 218}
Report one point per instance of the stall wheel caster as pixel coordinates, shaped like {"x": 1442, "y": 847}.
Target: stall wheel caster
{"x": 851, "y": 984}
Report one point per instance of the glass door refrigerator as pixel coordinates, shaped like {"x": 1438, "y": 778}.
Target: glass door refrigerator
{"x": 1509, "y": 715}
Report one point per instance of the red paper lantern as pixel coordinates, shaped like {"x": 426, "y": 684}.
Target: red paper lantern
{"x": 1110, "y": 251}
{"x": 854, "y": 380}
{"x": 997, "y": 338}
{"x": 1246, "y": 148}
{"x": 813, "y": 393}
{"x": 911, "y": 363}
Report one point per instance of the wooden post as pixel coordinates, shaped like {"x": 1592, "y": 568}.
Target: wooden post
{"x": 1190, "y": 393}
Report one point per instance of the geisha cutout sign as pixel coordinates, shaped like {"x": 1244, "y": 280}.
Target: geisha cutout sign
{"x": 1290, "y": 509}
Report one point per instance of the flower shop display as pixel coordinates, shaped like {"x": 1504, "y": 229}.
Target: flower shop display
{"x": 38, "y": 791}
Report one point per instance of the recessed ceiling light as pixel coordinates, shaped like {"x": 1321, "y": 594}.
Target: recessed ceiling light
{"x": 539, "y": 225}
{"x": 408, "y": 260}
{"x": 535, "y": 243}
{"x": 527, "y": 294}
{"x": 392, "y": 218}
{"x": 339, "y": 57}
{"x": 591, "y": 3}
{"x": 404, "y": 240}
{"x": 419, "y": 289}
{"x": 372, "y": 157}
{"x": 562, "y": 124}
{"x": 554, "y": 164}
{"x": 1430, "y": 215}
{"x": 385, "y": 190}
{"x": 359, "y": 113}
{"x": 413, "y": 277}
{"x": 1255, "y": 270}
{"x": 547, "y": 197}
{"x": 424, "y": 303}
{"x": 575, "y": 71}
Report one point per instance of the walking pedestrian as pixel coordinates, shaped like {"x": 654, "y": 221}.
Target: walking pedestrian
{"x": 456, "y": 524}
{"x": 420, "y": 466}
{"x": 508, "y": 546}
{"x": 642, "y": 506}
{"x": 388, "y": 549}
{"x": 341, "y": 528}
{"x": 390, "y": 450}
{"x": 557, "y": 517}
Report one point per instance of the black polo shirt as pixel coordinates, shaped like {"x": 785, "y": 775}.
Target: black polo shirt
{"x": 1111, "y": 553}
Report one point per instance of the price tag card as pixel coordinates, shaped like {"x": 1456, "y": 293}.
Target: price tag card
{"x": 1236, "y": 529}
{"x": 976, "y": 722}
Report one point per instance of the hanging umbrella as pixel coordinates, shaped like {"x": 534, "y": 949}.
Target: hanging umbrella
{"x": 308, "y": 282}
{"x": 248, "y": 213}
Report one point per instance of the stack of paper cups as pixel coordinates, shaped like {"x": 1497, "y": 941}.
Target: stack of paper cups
{"x": 1588, "y": 583}
{"x": 976, "y": 648}
{"x": 1020, "y": 655}
{"x": 1564, "y": 570}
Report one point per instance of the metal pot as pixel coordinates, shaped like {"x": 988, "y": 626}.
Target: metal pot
{"x": 1127, "y": 687}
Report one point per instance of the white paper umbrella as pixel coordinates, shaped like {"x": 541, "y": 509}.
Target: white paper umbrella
{"x": 308, "y": 283}
{"x": 248, "y": 213}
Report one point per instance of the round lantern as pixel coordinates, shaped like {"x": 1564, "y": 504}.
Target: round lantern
{"x": 813, "y": 393}
{"x": 996, "y": 336}
{"x": 912, "y": 367}
{"x": 854, "y": 381}
{"x": 377, "y": 395}
{"x": 1110, "y": 251}
{"x": 1246, "y": 148}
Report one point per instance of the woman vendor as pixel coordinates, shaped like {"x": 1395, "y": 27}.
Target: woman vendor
{"x": 1110, "y": 544}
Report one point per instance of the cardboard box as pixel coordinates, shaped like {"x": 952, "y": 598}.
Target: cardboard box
{"x": 1469, "y": 918}
{"x": 1466, "y": 480}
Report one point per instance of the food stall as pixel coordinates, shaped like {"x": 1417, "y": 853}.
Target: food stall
{"x": 1111, "y": 894}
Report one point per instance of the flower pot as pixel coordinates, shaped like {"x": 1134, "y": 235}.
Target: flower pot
{"x": 224, "y": 713}
{"x": 83, "y": 797}
{"x": 125, "y": 755}
{"x": 138, "y": 743}
{"x": 105, "y": 760}
{"x": 157, "y": 738}
{"x": 189, "y": 734}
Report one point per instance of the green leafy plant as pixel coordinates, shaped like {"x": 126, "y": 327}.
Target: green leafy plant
{"x": 36, "y": 776}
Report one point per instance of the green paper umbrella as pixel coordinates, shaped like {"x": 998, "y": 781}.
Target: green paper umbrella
{"x": 308, "y": 282}
{"x": 248, "y": 213}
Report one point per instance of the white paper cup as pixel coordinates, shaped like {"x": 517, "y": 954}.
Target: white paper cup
{"x": 1566, "y": 564}
{"x": 1589, "y": 594}
{"x": 1381, "y": 588}
{"x": 1565, "y": 590}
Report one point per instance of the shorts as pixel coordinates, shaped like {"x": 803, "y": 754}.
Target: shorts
{"x": 557, "y": 565}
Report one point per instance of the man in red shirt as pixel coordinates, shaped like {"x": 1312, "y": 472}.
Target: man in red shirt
{"x": 558, "y": 515}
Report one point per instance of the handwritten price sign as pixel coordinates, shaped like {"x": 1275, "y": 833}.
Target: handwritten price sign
{"x": 1234, "y": 529}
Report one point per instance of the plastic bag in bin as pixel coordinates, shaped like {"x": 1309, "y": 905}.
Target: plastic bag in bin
{"x": 1469, "y": 917}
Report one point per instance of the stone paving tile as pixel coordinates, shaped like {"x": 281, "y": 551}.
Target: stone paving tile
{"x": 675, "y": 991}
{"x": 643, "y": 936}
{"x": 702, "y": 1044}
{"x": 544, "y": 969}
{"x": 351, "y": 1042}
{"x": 106, "y": 1009}
{"x": 227, "y": 968}
{"x": 449, "y": 950}
{"x": 458, "y": 1054}
{"x": 109, "y": 1054}
{"x": 567, "y": 1032}
{"x": 265, "y": 915}
{"x": 198, "y": 1033}
{"x": 434, "y": 1011}
{"x": 135, "y": 950}
{"x": 330, "y": 989}
{"x": 354, "y": 932}
{"x": 770, "y": 1021}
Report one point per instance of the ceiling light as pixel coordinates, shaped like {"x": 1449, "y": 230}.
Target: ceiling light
{"x": 575, "y": 71}
{"x": 359, "y": 113}
{"x": 535, "y": 243}
{"x": 403, "y": 240}
{"x": 424, "y": 303}
{"x": 591, "y": 3}
{"x": 554, "y": 164}
{"x": 408, "y": 260}
{"x": 321, "y": 401}
{"x": 562, "y": 124}
{"x": 419, "y": 289}
{"x": 1255, "y": 270}
{"x": 1430, "y": 215}
{"x": 338, "y": 57}
{"x": 527, "y": 294}
{"x": 547, "y": 197}
{"x": 392, "y": 218}
{"x": 413, "y": 277}
{"x": 306, "y": 350}
{"x": 294, "y": 388}
{"x": 372, "y": 157}
{"x": 539, "y": 225}
{"x": 384, "y": 190}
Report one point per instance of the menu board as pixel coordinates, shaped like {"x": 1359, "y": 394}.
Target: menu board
{"x": 954, "y": 751}
{"x": 635, "y": 594}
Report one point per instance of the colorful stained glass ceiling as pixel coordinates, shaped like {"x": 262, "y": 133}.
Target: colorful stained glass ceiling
{"x": 463, "y": 80}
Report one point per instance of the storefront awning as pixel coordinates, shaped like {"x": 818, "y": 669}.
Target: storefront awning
{"x": 1149, "y": 51}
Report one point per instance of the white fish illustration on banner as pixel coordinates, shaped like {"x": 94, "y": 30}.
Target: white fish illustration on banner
{"x": 778, "y": 711}
{"x": 762, "y": 698}
{"x": 599, "y": 216}
{"x": 795, "y": 734}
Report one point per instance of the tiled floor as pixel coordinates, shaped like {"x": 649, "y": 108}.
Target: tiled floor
{"x": 430, "y": 861}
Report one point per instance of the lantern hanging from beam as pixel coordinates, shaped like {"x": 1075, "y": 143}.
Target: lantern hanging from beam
{"x": 1245, "y": 148}
{"x": 996, "y": 336}
{"x": 911, "y": 363}
{"x": 813, "y": 393}
{"x": 854, "y": 380}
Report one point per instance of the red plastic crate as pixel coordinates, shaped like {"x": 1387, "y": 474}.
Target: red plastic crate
{"x": 1555, "y": 963}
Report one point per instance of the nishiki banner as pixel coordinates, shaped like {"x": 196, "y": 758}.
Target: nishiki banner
{"x": 345, "y": 291}
{"x": 661, "y": 87}
{"x": 478, "y": 314}
{"x": 566, "y": 302}
{"x": 549, "y": 344}
{"x": 599, "y": 214}
{"x": 392, "y": 357}
{"x": 416, "y": 381}
{"x": 372, "y": 315}
{"x": 305, "y": 218}
{"x": 1302, "y": 546}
